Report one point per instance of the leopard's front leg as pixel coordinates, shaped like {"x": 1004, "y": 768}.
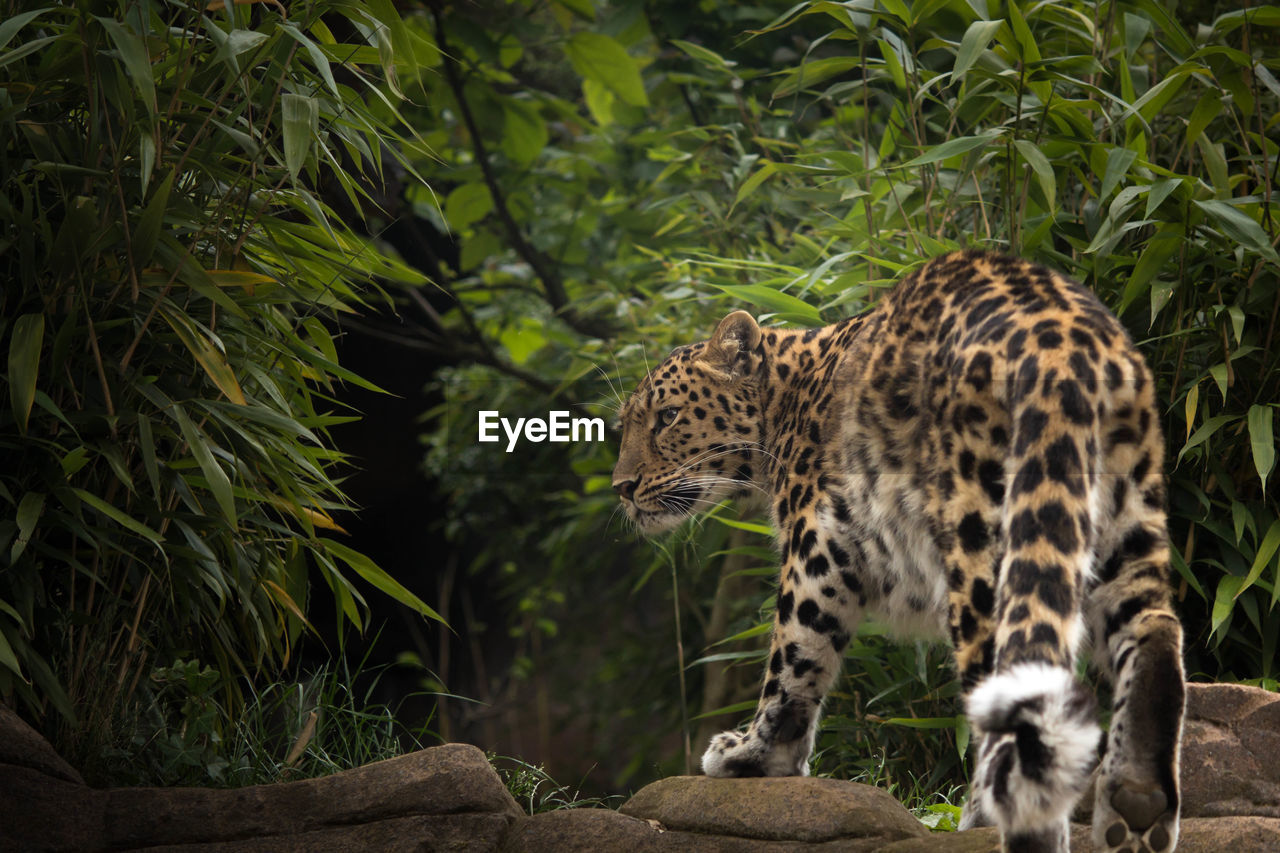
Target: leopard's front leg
{"x": 819, "y": 603}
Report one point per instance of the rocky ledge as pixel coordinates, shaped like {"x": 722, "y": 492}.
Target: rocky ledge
{"x": 449, "y": 798}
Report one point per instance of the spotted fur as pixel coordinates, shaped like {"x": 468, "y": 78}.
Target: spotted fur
{"x": 979, "y": 458}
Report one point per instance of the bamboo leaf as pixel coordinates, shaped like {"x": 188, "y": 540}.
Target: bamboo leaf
{"x": 29, "y": 509}
{"x": 1266, "y": 550}
{"x": 301, "y": 116}
{"x": 772, "y": 300}
{"x": 1223, "y": 603}
{"x": 147, "y": 232}
{"x": 208, "y": 356}
{"x": 133, "y": 51}
{"x": 198, "y": 444}
{"x": 1043, "y": 171}
{"x": 973, "y": 44}
{"x": 1262, "y": 441}
{"x": 1206, "y": 430}
{"x": 10, "y": 27}
{"x": 24, "y": 365}
{"x": 1239, "y": 226}
{"x": 7, "y": 657}
{"x": 374, "y": 574}
{"x": 120, "y": 517}
{"x": 952, "y": 148}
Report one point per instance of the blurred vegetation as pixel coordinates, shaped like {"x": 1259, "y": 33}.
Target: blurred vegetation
{"x": 568, "y": 190}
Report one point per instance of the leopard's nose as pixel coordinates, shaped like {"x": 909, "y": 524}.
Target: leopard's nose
{"x": 626, "y": 489}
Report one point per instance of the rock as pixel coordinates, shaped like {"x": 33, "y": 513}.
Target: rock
{"x": 570, "y": 830}
{"x": 443, "y": 780}
{"x": 474, "y": 833}
{"x": 1236, "y": 834}
{"x": 1231, "y": 752}
{"x": 22, "y": 746}
{"x": 775, "y": 809}
{"x": 447, "y": 797}
{"x": 41, "y": 812}
{"x": 1198, "y": 835}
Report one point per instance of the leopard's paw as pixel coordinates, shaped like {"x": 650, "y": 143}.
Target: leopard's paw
{"x": 743, "y": 754}
{"x": 1134, "y": 817}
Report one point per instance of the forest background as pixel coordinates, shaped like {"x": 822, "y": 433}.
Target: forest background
{"x": 264, "y": 262}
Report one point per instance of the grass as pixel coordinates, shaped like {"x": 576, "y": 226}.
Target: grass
{"x": 324, "y": 722}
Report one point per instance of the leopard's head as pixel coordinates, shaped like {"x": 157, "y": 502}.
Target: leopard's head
{"x": 692, "y": 431}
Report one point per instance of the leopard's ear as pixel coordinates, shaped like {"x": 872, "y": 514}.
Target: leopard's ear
{"x": 731, "y": 351}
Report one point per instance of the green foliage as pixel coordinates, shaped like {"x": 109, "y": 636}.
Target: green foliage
{"x": 170, "y": 268}
{"x": 802, "y": 170}
{"x": 180, "y": 733}
{"x": 534, "y": 789}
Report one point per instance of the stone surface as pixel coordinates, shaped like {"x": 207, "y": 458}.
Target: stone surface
{"x": 1231, "y": 752}
{"x": 450, "y": 779}
{"x": 22, "y": 746}
{"x": 465, "y": 833}
{"x": 1198, "y": 835}
{"x": 448, "y": 795}
{"x": 795, "y": 809}
{"x": 42, "y": 812}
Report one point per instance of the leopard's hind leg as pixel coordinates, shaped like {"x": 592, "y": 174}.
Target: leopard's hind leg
{"x": 1138, "y": 643}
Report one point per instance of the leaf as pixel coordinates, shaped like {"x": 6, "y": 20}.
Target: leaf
{"x": 524, "y": 132}
{"x": 317, "y": 57}
{"x": 1266, "y": 550}
{"x": 1191, "y": 406}
{"x": 207, "y": 355}
{"x": 772, "y": 300}
{"x": 29, "y": 509}
{"x": 119, "y": 517}
{"x": 596, "y": 56}
{"x": 1219, "y": 374}
{"x": 1043, "y": 171}
{"x": 813, "y": 72}
{"x": 1239, "y": 226}
{"x": 973, "y": 44}
{"x": 762, "y": 529}
{"x": 1223, "y": 601}
{"x": 8, "y": 658}
{"x": 952, "y": 148}
{"x": 375, "y": 575}
{"x": 706, "y": 56}
{"x": 600, "y": 101}
{"x": 301, "y": 115}
{"x": 1264, "y": 446}
{"x": 147, "y": 232}
{"x": 1118, "y": 162}
{"x": 1207, "y": 429}
{"x": 1159, "y": 249}
{"x": 758, "y": 177}
{"x": 217, "y": 479}
{"x": 10, "y": 27}
{"x": 24, "y": 365}
{"x": 467, "y": 205}
{"x": 922, "y": 722}
{"x": 133, "y": 51}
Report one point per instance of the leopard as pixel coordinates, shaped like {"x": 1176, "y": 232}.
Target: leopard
{"x": 976, "y": 458}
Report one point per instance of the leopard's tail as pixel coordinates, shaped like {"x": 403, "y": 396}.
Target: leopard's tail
{"x": 1039, "y": 743}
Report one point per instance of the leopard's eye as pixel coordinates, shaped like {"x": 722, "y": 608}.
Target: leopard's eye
{"x": 668, "y": 416}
